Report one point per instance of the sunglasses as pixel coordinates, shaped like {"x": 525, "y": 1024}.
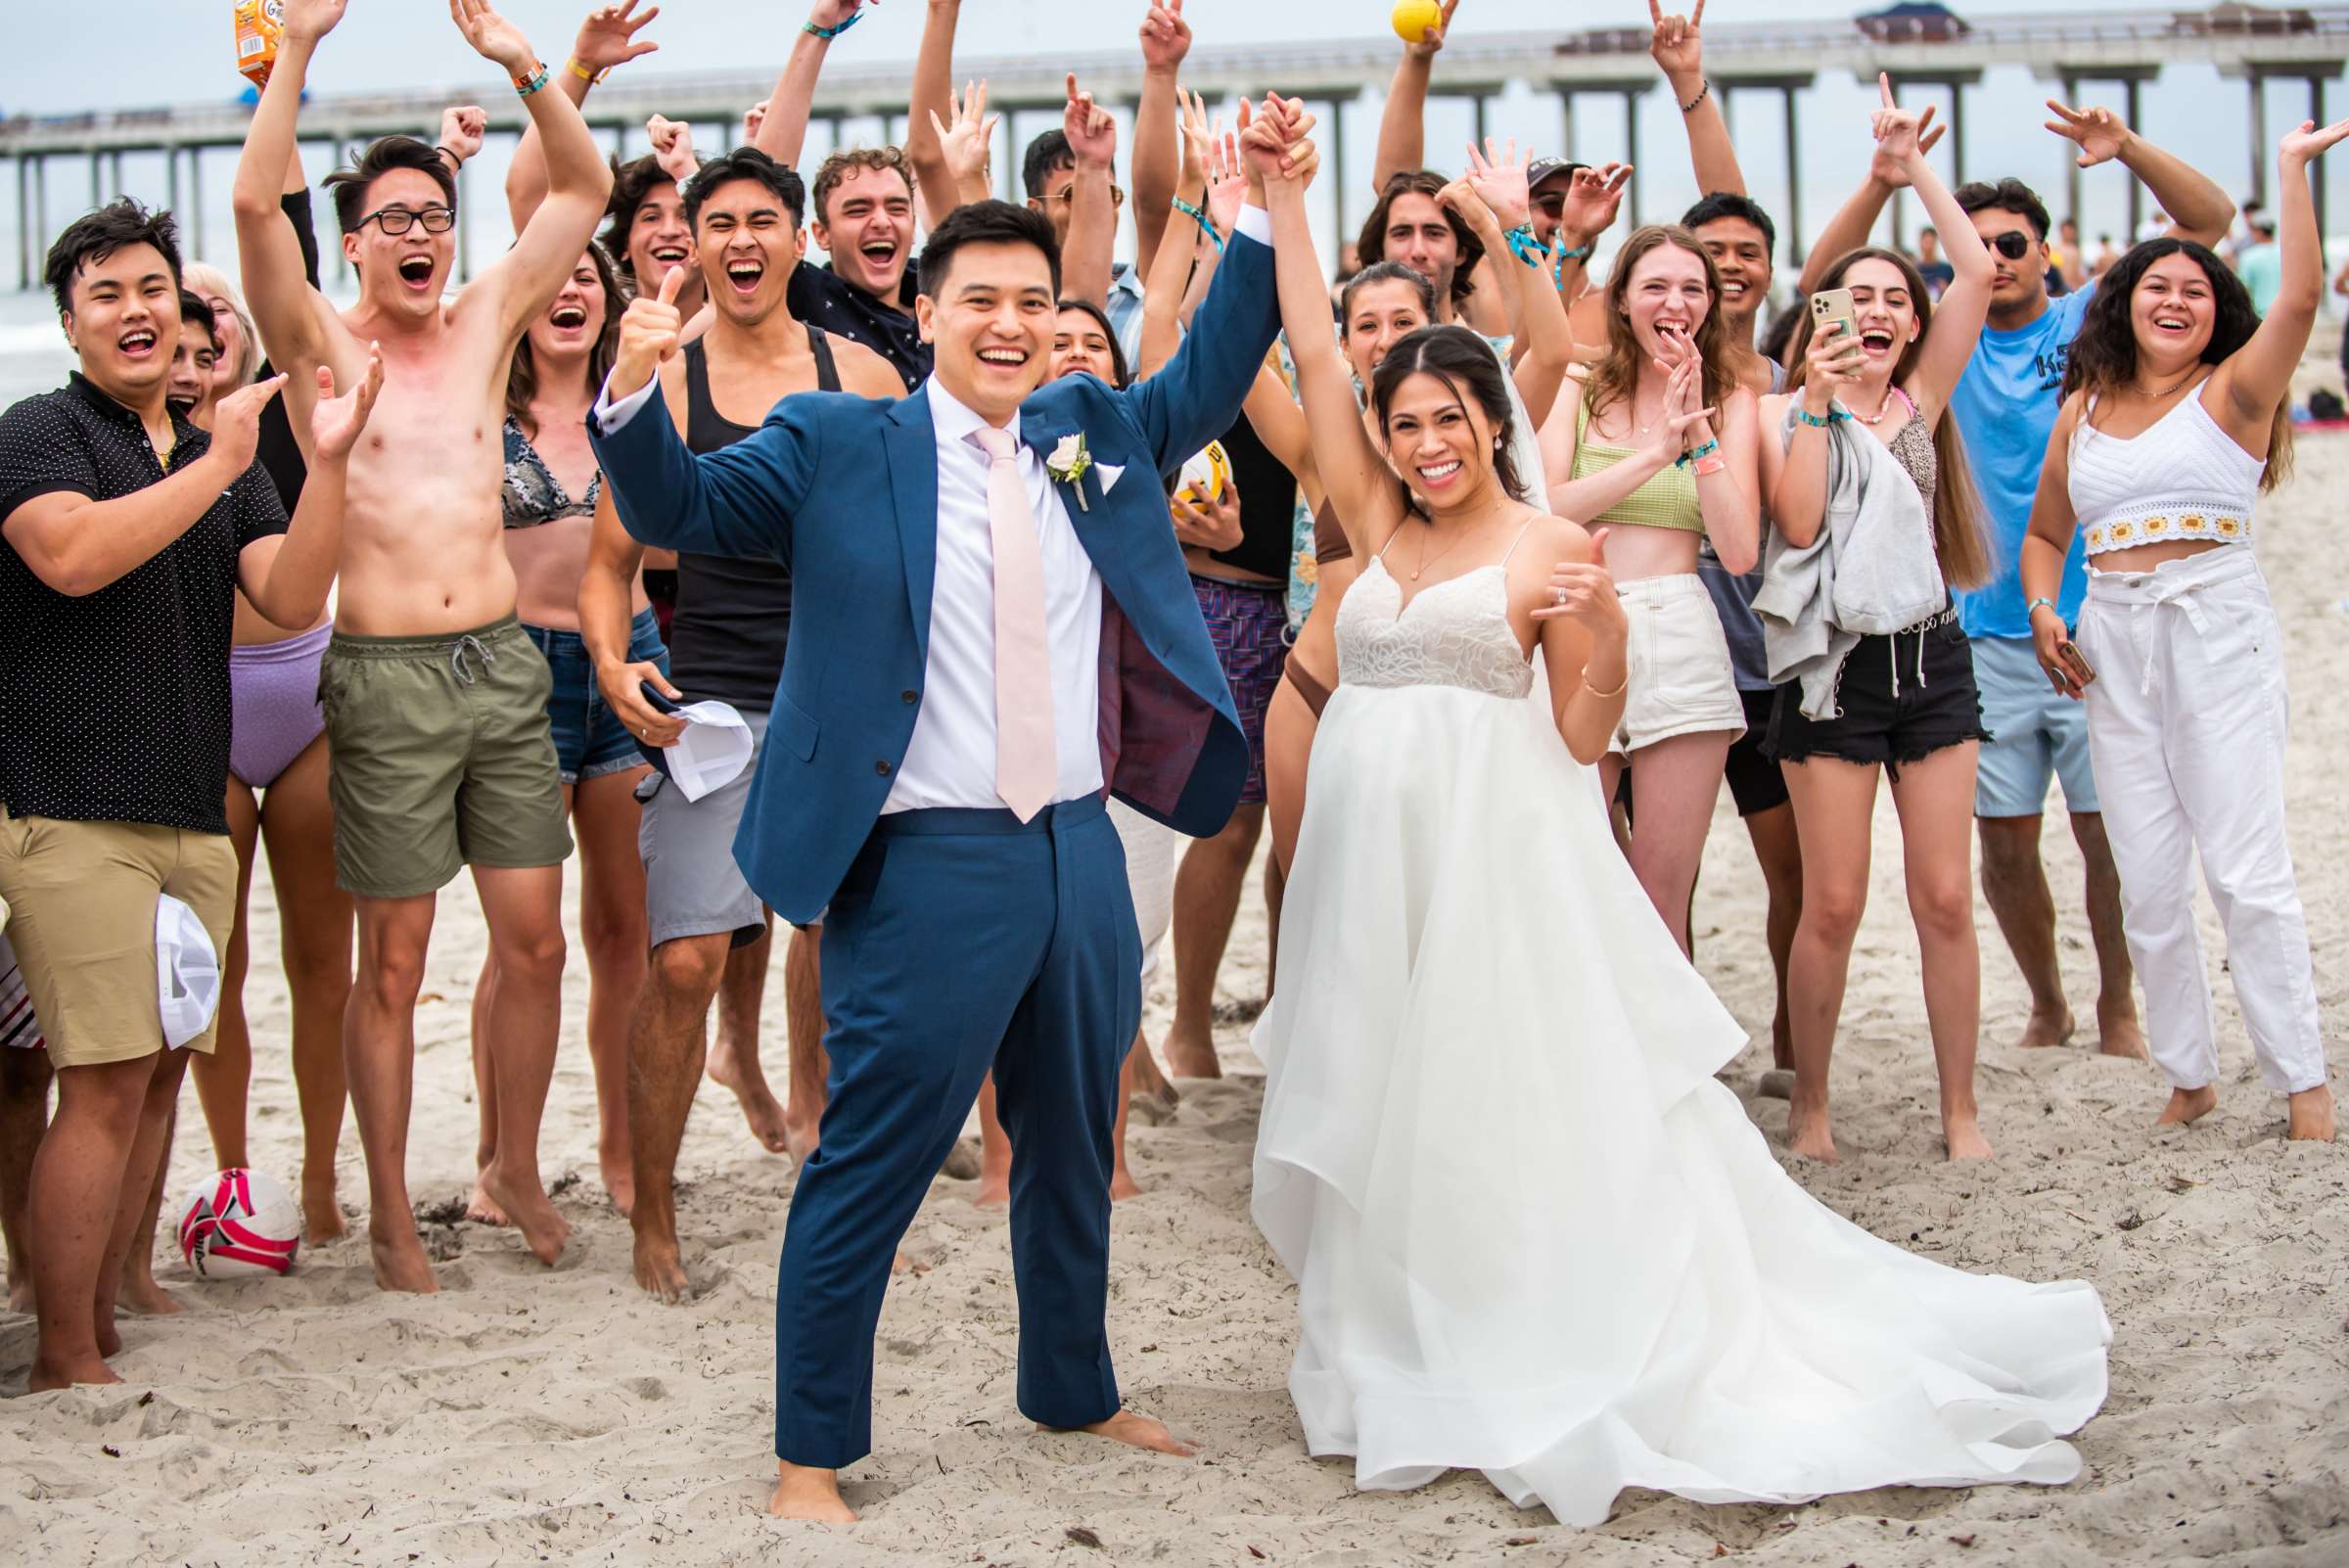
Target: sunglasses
{"x": 2013, "y": 245}
{"x": 1550, "y": 204}
{"x": 399, "y": 219}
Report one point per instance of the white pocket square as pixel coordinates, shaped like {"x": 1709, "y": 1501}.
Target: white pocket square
{"x": 1110, "y": 474}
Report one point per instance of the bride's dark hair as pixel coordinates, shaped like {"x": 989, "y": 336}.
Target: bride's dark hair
{"x": 1457, "y": 357}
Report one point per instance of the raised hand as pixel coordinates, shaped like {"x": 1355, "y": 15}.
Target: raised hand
{"x": 493, "y": 36}
{"x": 1431, "y": 41}
{"x": 1498, "y": 176}
{"x": 1165, "y": 36}
{"x": 2306, "y": 143}
{"x": 1462, "y": 197}
{"x": 967, "y": 136}
{"x": 1675, "y": 45}
{"x": 237, "y": 425}
{"x": 1198, "y": 133}
{"x": 673, "y": 147}
{"x": 608, "y": 38}
{"x": 309, "y": 20}
{"x": 752, "y": 120}
{"x": 834, "y": 13}
{"x": 1584, "y": 591}
{"x": 1269, "y": 137}
{"x": 1592, "y": 196}
{"x": 1682, "y": 423}
{"x": 336, "y": 422}
{"x": 462, "y": 128}
{"x": 2100, "y": 133}
{"x": 1895, "y": 128}
{"x": 1892, "y": 173}
{"x": 1092, "y": 130}
{"x": 648, "y": 334}
{"x": 1226, "y": 176}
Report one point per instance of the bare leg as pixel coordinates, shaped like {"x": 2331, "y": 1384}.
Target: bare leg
{"x": 1674, "y": 785}
{"x": 24, "y": 1078}
{"x": 1207, "y": 900}
{"x": 2118, "y": 1033}
{"x": 139, "y": 1291}
{"x": 1778, "y": 851}
{"x": 481, "y": 1208}
{"x": 1289, "y": 727}
{"x": 379, "y": 1055}
{"x": 2016, "y": 884}
{"x": 1122, "y": 1185}
{"x": 1832, "y": 803}
{"x": 613, "y": 930}
{"x": 224, "y": 1079}
{"x": 1149, "y": 1081}
{"x": 524, "y": 911}
{"x": 995, "y": 1152}
{"x": 735, "y": 1061}
{"x": 1932, "y": 797}
{"x": 666, "y": 1049}
{"x": 298, "y": 831}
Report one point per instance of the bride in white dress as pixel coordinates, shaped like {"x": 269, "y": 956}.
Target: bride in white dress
{"x": 1531, "y": 1234}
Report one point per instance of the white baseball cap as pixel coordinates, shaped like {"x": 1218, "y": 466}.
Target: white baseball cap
{"x": 187, "y": 971}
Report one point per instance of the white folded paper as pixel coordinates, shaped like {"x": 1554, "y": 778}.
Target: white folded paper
{"x": 187, "y": 971}
{"x": 714, "y": 749}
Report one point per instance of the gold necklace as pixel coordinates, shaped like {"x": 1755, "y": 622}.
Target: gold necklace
{"x": 1426, "y": 560}
{"x": 2136, "y": 386}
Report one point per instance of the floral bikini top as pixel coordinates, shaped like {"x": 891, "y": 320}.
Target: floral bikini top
{"x": 531, "y": 494}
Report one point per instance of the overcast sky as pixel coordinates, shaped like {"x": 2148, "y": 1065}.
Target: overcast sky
{"x": 132, "y": 52}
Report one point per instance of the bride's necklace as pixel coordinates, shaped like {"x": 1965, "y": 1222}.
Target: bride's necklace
{"x": 1426, "y": 560}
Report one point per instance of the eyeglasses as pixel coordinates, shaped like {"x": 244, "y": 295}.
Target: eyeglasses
{"x": 2013, "y": 245}
{"x": 398, "y": 219}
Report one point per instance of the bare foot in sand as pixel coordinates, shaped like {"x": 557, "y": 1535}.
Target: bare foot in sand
{"x": 2043, "y": 1030}
{"x": 1134, "y": 1430}
{"x": 1151, "y": 1084}
{"x": 544, "y": 1231}
{"x": 799, "y": 1138}
{"x": 103, "y": 1333}
{"x": 142, "y": 1295}
{"x": 2118, "y": 1033}
{"x": 483, "y": 1210}
{"x": 321, "y": 1213}
{"x": 399, "y": 1260}
{"x": 659, "y": 1272}
{"x": 1808, "y": 1137}
{"x": 2311, "y": 1115}
{"x": 804, "y": 1492}
{"x": 1193, "y": 1058}
{"x": 1962, "y": 1135}
{"x": 46, "y": 1375}
{"x": 764, "y": 1113}
{"x": 1122, "y": 1186}
{"x": 19, "y": 1291}
{"x": 2187, "y": 1105}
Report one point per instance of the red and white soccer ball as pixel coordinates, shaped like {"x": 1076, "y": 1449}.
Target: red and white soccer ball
{"x": 241, "y": 1223}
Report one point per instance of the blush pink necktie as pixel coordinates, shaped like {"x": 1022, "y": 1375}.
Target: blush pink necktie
{"x": 1026, "y": 761}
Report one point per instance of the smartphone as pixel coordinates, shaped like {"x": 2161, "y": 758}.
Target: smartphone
{"x": 1833, "y": 305}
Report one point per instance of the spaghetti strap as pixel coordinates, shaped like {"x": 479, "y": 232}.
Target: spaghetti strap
{"x": 1520, "y": 539}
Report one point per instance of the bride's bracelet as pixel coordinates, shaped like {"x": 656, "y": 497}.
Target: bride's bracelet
{"x": 1619, "y": 686}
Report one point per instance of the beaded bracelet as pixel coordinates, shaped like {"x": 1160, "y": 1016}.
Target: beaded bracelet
{"x": 1696, "y": 454}
{"x": 1815, "y": 423}
{"x": 1689, "y": 108}
{"x": 829, "y": 33}
{"x": 524, "y": 86}
{"x": 1207, "y": 225}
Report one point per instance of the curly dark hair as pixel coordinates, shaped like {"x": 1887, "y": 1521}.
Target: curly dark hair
{"x": 1460, "y": 359}
{"x": 633, "y": 185}
{"x": 1372, "y": 244}
{"x": 2103, "y": 357}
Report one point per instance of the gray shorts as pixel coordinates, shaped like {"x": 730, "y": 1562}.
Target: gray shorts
{"x": 692, "y": 885}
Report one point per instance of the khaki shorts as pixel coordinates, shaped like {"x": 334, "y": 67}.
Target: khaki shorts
{"x": 83, "y": 901}
{"x": 440, "y": 758}
{"x": 1681, "y": 682}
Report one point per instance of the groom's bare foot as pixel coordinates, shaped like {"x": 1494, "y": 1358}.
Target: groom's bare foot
{"x": 803, "y": 1491}
{"x": 2187, "y": 1105}
{"x": 1136, "y": 1431}
{"x": 2311, "y": 1115}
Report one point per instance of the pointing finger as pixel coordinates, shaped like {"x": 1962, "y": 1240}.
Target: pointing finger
{"x": 1884, "y": 87}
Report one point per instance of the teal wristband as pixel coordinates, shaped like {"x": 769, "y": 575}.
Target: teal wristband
{"x": 1815, "y": 423}
{"x": 813, "y": 31}
{"x": 524, "y": 88}
{"x": 1207, "y": 225}
{"x": 1580, "y": 253}
{"x": 1523, "y": 246}
{"x": 2036, "y": 603}
{"x": 1697, "y": 454}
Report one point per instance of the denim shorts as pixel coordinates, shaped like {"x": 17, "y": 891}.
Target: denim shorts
{"x": 590, "y": 741}
{"x": 2041, "y": 734}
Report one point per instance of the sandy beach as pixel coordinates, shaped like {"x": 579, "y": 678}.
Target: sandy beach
{"x": 533, "y": 1416}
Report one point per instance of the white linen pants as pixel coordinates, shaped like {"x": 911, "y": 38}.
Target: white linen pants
{"x": 2185, "y": 732}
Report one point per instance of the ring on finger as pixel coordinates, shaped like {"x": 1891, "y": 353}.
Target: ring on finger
{"x": 1557, "y": 596}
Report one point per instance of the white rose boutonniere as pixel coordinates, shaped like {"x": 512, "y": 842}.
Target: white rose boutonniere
{"x": 1068, "y": 464}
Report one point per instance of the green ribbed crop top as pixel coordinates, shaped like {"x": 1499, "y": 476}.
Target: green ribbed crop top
{"x": 1665, "y": 501}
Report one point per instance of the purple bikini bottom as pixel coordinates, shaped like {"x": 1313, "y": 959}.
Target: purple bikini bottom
{"x": 273, "y": 704}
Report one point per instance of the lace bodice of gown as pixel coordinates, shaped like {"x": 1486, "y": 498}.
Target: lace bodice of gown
{"x": 1452, "y": 633}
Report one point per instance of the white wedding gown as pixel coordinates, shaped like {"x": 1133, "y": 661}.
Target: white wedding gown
{"x": 1531, "y": 1234}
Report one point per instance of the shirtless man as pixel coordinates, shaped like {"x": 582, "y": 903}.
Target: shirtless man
{"x": 727, "y": 644}
{"x": 436, "y": 699}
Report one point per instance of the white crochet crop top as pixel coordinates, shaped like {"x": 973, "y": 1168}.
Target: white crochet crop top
{"x": 2183, "y": 478}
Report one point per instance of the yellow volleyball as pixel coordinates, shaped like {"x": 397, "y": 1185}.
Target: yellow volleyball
{"x": 1412, "y": 18}
{"x": 1205, "y": 473}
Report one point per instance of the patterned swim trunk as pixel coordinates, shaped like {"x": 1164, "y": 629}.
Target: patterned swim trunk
{"x": 1249, "y": 625}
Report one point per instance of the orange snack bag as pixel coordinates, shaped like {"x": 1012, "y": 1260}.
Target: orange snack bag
{"x": 261, "y": 24}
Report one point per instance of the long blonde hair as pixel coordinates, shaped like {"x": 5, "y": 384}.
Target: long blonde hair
{"x": 213, "y": 284}
{"x": 1957, "y": 539}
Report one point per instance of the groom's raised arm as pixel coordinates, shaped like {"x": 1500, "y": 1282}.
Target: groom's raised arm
{"x": 1197, "y": 397}
{"x": 737, "y": 502}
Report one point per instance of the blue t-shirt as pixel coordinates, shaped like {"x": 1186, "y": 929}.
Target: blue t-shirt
{"x": 2006, "y": 404}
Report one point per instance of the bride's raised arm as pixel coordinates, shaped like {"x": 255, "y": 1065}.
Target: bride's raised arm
{"x": 1353, "y": 474}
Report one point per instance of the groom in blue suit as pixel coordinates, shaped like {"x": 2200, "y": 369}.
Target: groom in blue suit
{"x": 945, "y": 819}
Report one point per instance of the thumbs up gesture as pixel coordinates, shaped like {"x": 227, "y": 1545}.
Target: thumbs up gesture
{"x": 648, "y": 336}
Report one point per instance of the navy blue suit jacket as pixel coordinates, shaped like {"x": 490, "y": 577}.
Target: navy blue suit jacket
{"x": 813, "y": 488}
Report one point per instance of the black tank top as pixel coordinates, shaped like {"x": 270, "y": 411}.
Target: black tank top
{"x": 1267, "y": 505}
{"x": 733, "y": 616}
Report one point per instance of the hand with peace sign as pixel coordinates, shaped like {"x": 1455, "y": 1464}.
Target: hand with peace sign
{"x": 1892, "y": 173}
{"x": 648, "y": 336}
